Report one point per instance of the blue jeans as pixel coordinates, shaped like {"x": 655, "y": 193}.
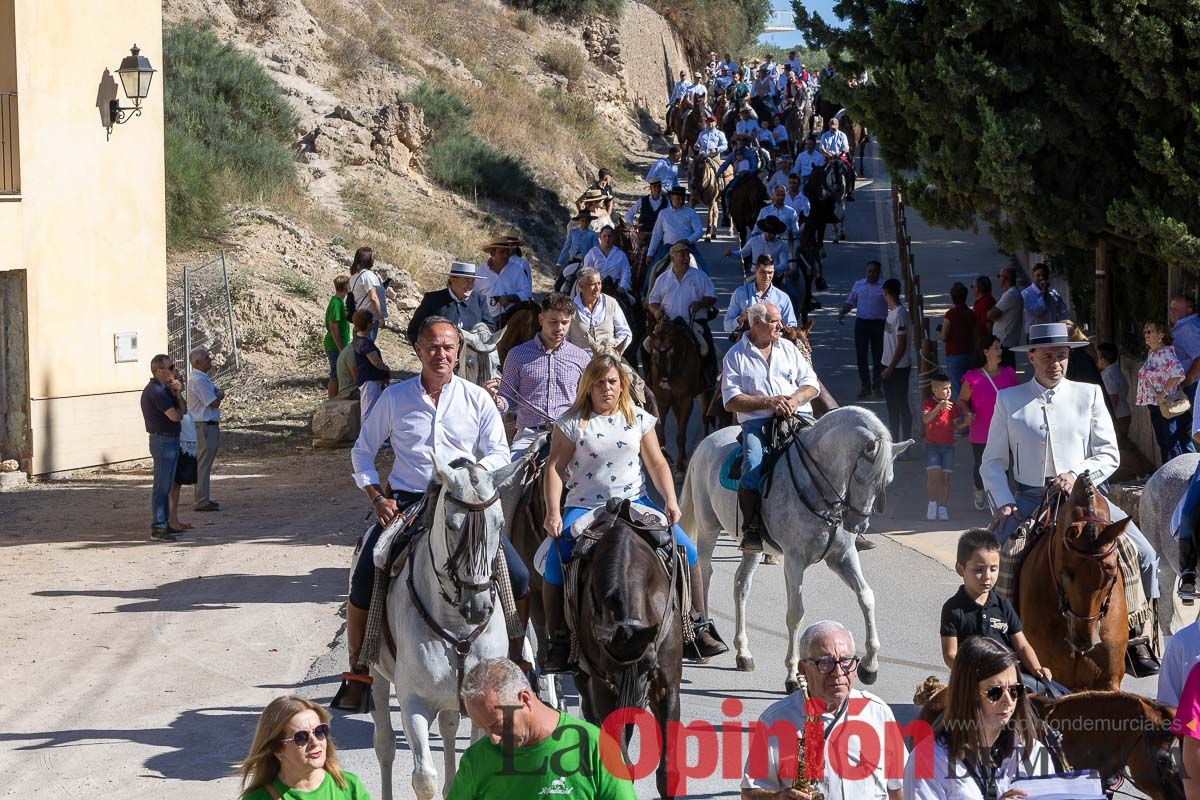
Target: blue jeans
{"x": 1191, "y": 503}
{"x": 332, "y": 355}
{"x": 956, "y": 367}
{"x": 560, "y": 551}
{"x": 1172, "y": 435}
{"x": 1027, "y": 502}
{"x": 165, "y": 452}
{"x": 754, "y": 445}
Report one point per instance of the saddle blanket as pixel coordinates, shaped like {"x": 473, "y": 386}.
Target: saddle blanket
{"x": 582, "y": 524}
{"x": 381, "y": 555}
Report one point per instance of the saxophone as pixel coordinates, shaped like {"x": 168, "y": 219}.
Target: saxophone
{"x": 802, "y": 782}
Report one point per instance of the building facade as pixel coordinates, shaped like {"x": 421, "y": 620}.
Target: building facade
{"x": 82, "y": 232}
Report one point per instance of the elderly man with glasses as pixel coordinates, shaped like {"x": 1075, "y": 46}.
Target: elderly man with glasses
{"x": 830, "y": 669}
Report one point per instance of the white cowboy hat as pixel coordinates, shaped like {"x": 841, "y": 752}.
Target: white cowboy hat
{"x": 461, "y": 269}
{"x": 1052, "y": 334}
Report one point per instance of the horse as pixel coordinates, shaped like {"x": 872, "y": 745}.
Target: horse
{"x": 826, "y": 190}
{"x": 444, "y": 600}
{"x": 703, "y": 186}
{"x": 1137, "y": 736}
{"x": 1073, "y": 569}
{"x": 629, "y": 628}
{"x": 827, "y": 484}
{"x": 520, "y": 325}
{"x": 744, "y": 203}
{"x": 689, "y": 131}
{"x": 677, "y": 380}
{"x": 1162, "y": 494}
{"x": 478, "y": 360}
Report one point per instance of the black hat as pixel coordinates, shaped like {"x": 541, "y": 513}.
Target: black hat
{"x": 679, "y": 190}
{"x": 771, "y": 225}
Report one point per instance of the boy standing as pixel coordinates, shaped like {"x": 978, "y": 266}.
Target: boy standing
{"x": 337, "y": 329}
{"x": 897, "y": 363}
{"x": 975, "y": 610}
{"x": 941, "y": 418}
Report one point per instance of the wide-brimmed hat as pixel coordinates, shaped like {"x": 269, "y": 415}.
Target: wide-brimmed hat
{"x": 653, "y": 180}
{"x": 592, "y": 196}
{"x": 771, "y": 225}
{"x": 585, "y": 214}
{"x": 681, "y": 247}
{"x": 1051, "y": 334}
{"x": 513, "y": 240}
{"x": 679, "y": 190}
{"x": 496, "y": 243}
{"x": 461, "y": 269}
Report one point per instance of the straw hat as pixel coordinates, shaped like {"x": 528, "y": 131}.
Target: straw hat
{"x": 497, "y": 243}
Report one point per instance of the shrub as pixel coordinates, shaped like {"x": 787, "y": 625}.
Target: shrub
{"x": 565, "y": 59}
{"x": 468, "y": 165}
{"x": 297, "y": 285}
{"x": 446, "y": 113}
{"x": 225, "y": 118}
{"x": 572, "y": 8}
{"x": 525, "y": 20}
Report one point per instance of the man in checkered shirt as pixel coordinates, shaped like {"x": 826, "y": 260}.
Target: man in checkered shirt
{"x": 541, "y": 377}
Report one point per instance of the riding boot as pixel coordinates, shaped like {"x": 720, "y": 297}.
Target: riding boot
{"x": 355, "y": 692}
{"x": 1139, "y": 657}
{"x": 706, "y": 642}
{"x": 558, "y": 650}
{"x": 861, "y": 543}
{"x": 516, "y": 645}
{"x": 750, "y": 503}
{"x": 1187, "y": 569}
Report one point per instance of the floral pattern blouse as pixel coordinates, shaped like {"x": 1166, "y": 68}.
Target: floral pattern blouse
{"x": 608, "y": 457}
{"x": 1161, "y": 366}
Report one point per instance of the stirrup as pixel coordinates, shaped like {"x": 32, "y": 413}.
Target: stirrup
{"x": 354, "y": 683}
{"x": 1187, "y": 596}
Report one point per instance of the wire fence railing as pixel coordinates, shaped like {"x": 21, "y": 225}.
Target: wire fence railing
{"x": 200, "y": 314}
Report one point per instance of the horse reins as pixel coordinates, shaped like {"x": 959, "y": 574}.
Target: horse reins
{"x": 1064, "y": 604}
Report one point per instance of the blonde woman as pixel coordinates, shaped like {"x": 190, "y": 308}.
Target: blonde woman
{"x": 598, "y": 448}
{"x": 293, "y": 757}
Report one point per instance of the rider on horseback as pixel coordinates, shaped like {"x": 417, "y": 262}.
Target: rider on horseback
{"x": 675, "y": 224}
{"x": 435, "y": 409}
{"x": 779, "y": 209}
{"x": 645, "y": 212}
{"x": 766, "y": 244}
{"x": 458, "y": 302}
{"x": 760, "y": 290}
{"x": 505, "y": 281}
{"x": 744, "y": 159}
{"x": 682, "y": 293}
{"x": 580, "y": 240}
{"x": 609, "y": 260}
{"x": 808, "y": 158}
{"x": 712, "y": 142}
{"x": 763, "y": 377}
{"x": 667, "y": 169}
{"x": 836, "y": 147}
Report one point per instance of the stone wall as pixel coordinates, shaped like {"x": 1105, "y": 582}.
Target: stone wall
{"x": 648, "y": 54}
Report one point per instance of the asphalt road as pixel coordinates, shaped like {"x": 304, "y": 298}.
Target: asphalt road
{"x": 909, "y": 571}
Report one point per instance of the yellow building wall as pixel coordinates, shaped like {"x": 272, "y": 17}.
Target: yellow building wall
{"x": 94, "y": 224}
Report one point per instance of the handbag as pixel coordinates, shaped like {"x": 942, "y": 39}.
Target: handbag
{"x": 1174, "y": 404}
{"x": 185, "y": 469}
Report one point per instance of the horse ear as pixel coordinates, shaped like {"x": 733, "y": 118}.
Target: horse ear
{"x": 1111, "y": 532}
{"x": 899, "y": 447}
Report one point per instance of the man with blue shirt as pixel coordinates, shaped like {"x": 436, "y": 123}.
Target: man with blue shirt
{"x": 870, "y": 320}
{"x": 1043, "y": 304}
{"x": 162, "y": 410}
{"x": 666, "y": 169}
{"x": 764, "y": 243}
{"x": 676, "y": 223}
{"x": 1185, "y": 335}
{"x": 712, "y": 142}
{"x": 760, "y": 290}
{"x": 834, "y": 145}
{"x": 779, "y": 209}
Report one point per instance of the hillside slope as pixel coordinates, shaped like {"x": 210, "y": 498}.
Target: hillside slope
{"x": 563, "y": 98}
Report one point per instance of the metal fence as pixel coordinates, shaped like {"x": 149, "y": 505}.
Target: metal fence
{"x": 200, "y": 314}
{"x": 10, "y": 168}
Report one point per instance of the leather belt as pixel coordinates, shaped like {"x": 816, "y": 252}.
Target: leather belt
{"x": 209, "y": 422}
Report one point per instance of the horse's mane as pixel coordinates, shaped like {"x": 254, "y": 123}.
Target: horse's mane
{"x": 864, "y": 419}
{"x": 1119, "y": 697}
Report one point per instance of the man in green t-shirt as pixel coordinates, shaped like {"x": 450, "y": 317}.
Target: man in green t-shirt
{"x": 337, "y": 329}
{"x": 530, "y": 749}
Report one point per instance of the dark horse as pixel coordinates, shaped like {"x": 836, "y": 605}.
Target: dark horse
{"x": 629, "y": 628}
{"x": 677, "y": 380}
{"x": 1071, "y": 595}
{"x": 744, "y": 202}
{"x": 518, "y": 324}
{"x": 826, "y": 191}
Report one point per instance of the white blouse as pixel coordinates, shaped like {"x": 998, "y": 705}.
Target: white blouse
{"x": 608, "y": 457}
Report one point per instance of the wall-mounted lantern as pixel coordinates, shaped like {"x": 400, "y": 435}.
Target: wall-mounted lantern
{"x": 135, "y": 73}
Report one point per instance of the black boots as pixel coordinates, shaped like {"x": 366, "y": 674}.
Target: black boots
{"x": 558, "y": 650}
{"x": 1187, "y": 571}
{"x": 750, "y": 504}
{"x": 1139, "y": 659}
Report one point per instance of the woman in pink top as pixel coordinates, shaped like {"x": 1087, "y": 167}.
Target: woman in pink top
{"x": 1186, "y": 725}
{"x": 978, "y": 395}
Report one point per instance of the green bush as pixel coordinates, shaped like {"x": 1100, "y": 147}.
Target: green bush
{"x": 567, "y": 60}
{"x": 297, "y": 285}
{"x": 225, "y": 118}
{"x": 526, "y": 21}
{"x": 468, "y": 165}
{"x": 446, "y": 113}
{"x": 572, "y": 8}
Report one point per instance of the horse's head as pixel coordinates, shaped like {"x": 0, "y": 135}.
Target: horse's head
{"x": 478, "y": 359}
{"x": 465, "y": 547}
{"x": 628, "y": 593}
{"x": 1160, "y": 770}
{"x": 854, "y": 443}
{"x": 665, "y": 345}
{"x": 1083, "y": 562}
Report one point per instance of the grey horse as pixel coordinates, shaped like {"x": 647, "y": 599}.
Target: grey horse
{"x": 840, "y": 468}
{"x": 1162, "y": 493}
{"x": 478, "y": 361}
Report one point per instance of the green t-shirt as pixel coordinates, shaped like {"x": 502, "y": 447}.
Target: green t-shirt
{"x": 564, "y": 766}
{"x": 328, "y": 790}
{"x": 336, "y": 312}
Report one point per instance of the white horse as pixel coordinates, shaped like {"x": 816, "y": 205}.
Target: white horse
{"x": 1162, "y": 494}
{"x": 823, "y": 492}
{"x": 447, "y": 582}
{"x": 478, "y": 359}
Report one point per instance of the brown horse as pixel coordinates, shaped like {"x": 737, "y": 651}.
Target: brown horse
{"x": 702, "y": 185}
{"x": 677, "y": 380}
{"x": 689, "y": 131}
{"x": 1108, "y": 732}
{"x": 1071, "y": 596}
{"x": 744, "y": 204}
{"x": 520, "y": 325}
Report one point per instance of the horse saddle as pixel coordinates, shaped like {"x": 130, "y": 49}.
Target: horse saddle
{"x": 394, "y": 541}
{"x": 779, "y": 439}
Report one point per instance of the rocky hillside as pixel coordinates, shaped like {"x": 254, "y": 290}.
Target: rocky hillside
{"x": 562, "y": 98}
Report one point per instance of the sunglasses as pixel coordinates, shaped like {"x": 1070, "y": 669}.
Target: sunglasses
{"x": 300, "y": 738}
{"x": 994, "y": 693}
{"x": 826, "y": 665}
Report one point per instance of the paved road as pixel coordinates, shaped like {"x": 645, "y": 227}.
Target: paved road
{"x": 910, "y": 570}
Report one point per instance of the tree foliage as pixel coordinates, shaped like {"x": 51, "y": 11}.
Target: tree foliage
{"x": 1058, "y": 121}
{"x": 721, "y": 26}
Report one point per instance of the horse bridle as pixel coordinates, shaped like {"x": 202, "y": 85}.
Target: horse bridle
{"x": 462, "y": 550}
{"x": 837, "y": 507}
{"x": 1064, "y": 603}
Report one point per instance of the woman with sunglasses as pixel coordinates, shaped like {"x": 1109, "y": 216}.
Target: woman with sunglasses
{"x": 988, "y": 735}
{"x": 293, "y": 757}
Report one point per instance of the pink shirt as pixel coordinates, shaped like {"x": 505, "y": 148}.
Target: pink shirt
{"x": 983, "y": 398}
{"x": 1187, "y": 715}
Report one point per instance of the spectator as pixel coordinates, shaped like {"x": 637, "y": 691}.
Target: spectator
{"x": 1006, "y": 316}
{"x": 347, "y": 387}
{"x": 204, "y": 404}
{"x": 458, "y": 302}
{"x": 528, "y": 748}
{"x": 1185, "y": 333}
{"x": 1116, "y": 389}
{"x": 983, "y": 303}
{"x": 1186, "y": 725}
{"x": 1081, "y": 367}
{"x": 1182, "y": 653}
{"x": 337, "y": 329}
{"x": 897, "y": 361}
{"x": 978, "y": 400}
{"x": 958, "y": 334}
{"x": 364, "y": 288}
{"x": 371, "y": 375}
{"x": 870, "y": 321}
{"x": 162, "y": 409}
{"x": 185, "y": 471}
{"x": 293, "y": 756}
{"x": 941, "y": 418}
{"x": 1043, "y": 304}
{"x": 1158, "y": 377}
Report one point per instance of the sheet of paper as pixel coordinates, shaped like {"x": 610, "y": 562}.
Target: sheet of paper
{"x": 1060, "y": 787}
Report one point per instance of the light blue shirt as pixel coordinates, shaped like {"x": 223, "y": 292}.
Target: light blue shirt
{"x": 578, "y": 244}
{"x": 665, "y": 171}
{"x": 1185, "y": 335}
{"x": 747, "y": 295}
{"x": 676, "y": 224}
{"x": 1039, "y": 312}
{"x": 712, "y": 142}
{"x": 785, "y": 214}
{"x": 868, "y": 299}
{"x": 835, "y": 142}
{"x": 805, "y": 162}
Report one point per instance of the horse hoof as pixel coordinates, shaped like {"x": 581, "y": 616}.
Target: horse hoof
{"x": 790, "y": 686}
{"x": 745, "y": 663}
{"x": 868, "y": 676}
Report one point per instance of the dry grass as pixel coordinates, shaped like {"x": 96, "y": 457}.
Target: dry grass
{"x": 565, "y": 59}
{"x": 525, "y": 20}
